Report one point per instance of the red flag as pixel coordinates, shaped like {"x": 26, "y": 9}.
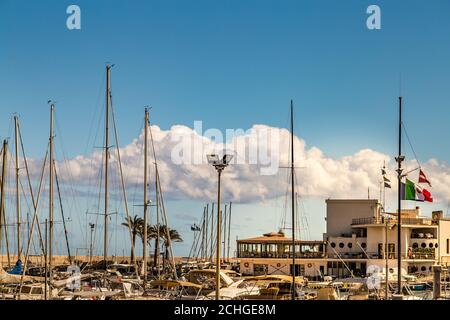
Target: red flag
{"x": 427, "y": 195}
{"x": 423, "y": 178}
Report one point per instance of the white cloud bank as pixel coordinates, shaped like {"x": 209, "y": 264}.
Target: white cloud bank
{"x": 317, "y": 174}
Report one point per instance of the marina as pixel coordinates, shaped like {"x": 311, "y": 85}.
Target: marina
{"x": 357, "y": 259}
{"x": 338, "y": 188}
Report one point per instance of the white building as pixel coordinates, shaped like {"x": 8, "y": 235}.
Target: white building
{"x": 357, "y": 235}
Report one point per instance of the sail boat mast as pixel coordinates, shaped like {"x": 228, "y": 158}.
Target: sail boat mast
{"x": 144, "y": 256}
{"x": 2, "y": 192}
{"x": 51, "y": 172}
{"x": 108, "y": 102}
{"x": 158, "y": 235}
{"x": 399, "y": 159}
{"x": 292, "y": 200}
{"x": 16, "y": 138}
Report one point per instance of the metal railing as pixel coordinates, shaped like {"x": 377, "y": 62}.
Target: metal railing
{"x": 367, "y": 220}
{"x": 273, "y": 255}
{"x": 413, "y": 221}
{"x": 360, "y": 255}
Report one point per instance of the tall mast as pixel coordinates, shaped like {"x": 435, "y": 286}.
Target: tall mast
{"x": 203, "y": 255}
{"x": 50, "y": 203}
{"x": 206, "y": 230}
{"x": 16, "y": 140}
{"x": 224, "y": 233}
{"x": 144, "y": 255}
{"x": 158, "y": 196}
{"x": 108, "y": 101}
{"x": 212, "y": 232}
{"x": 2, "y": 190}
{"x": 229, "y": 229}
{"x": 293, "y": 200}
{"x": 158, "y": 235}
{"x": 399, "y": 159}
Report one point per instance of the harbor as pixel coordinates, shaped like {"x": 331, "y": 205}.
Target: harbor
{"x": 163, "y": 152}
{"x": 361, "y": 256}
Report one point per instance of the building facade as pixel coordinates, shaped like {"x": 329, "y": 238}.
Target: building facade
{"x": 358, "y": 235}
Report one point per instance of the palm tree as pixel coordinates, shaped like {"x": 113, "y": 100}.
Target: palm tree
{"x": 135, "y": 225}
{"x": 150, "y": 234}
{"x": 174, "y": 237}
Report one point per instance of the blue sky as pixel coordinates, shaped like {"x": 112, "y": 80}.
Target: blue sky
{"x": 231, "y": 64}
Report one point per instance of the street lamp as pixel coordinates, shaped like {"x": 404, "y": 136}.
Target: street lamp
{"x": 219, "y": 164}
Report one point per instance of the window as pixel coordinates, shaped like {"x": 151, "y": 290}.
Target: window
{"x": 431, "y": 245}
{"x": 341, "y": 245}
{"x": 334, "y": 245}
{"x": 423, "y": 268}
{"x": 415, "y": 245}
{"x": 363, "y": 245}
{"x": 436, "y": 245}
{"x": 350, "y": 245}
{"x": 423, "y": 245}
{"x": 260, "y": 269}
{"x": 448, "y": 246}
{"x": 36, "y": 290}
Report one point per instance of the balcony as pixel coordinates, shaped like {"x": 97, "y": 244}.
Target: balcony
{"x": 422, "y": 253}
{"x": 415, "y": 254}
{"x": 371, "y": 220}
{"x": 267, "y": 255}
{"x": 405, "y": 221}
{"x": 360, "y": 255}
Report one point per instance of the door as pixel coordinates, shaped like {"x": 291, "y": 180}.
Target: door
{"x": 380, "y": 251}
{"x": 299, "y": 269}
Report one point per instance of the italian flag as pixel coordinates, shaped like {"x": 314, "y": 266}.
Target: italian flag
{"x": 412, "y": 191}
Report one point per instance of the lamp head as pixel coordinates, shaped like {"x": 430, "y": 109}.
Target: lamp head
{"x": 212, "y": 158}
{"x": 227, "y": 159}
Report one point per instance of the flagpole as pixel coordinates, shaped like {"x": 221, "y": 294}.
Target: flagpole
{"x": 386, "y": 245}
{"x": 381, "y": 191}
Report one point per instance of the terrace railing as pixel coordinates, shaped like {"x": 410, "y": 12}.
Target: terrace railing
{"x": 274, "y": 255}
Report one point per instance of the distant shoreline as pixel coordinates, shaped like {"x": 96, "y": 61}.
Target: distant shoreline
{"x": 63, "y": 259}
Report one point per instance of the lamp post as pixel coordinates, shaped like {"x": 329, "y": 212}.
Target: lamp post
{"x": 219, "y": 164}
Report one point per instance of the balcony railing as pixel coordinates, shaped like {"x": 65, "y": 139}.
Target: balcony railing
{"x": 422, "y": 256}
{"x": 360, "y": 255}
{"x": 415, "y": 254}
{"x": 413, "y": 221}
{"x": 422, "y": 253}
{"x": 369, "y": 220}
{"x": 272, "y": 255}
